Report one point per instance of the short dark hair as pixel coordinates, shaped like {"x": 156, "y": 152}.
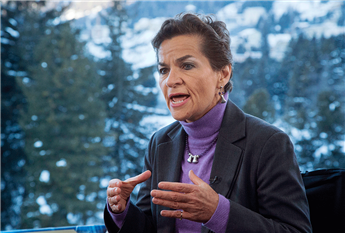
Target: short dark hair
{"x": 215, "y": 38}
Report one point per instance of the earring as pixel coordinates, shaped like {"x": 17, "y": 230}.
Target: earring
{"x": 222, "y": 95}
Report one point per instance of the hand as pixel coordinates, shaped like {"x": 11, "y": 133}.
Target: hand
{"x": 198, "y": 201}
{"x": 119, "y": 191}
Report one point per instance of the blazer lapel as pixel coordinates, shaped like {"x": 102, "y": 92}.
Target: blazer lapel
{"x": 169, "y": 169}
{"x": 228, "y": 157}
{"x": 170, "y": 156}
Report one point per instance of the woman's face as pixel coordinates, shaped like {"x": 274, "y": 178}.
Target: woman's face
{"x": 189, "y": 84}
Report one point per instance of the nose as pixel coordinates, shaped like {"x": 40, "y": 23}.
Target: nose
{"x": 173, "y": 79}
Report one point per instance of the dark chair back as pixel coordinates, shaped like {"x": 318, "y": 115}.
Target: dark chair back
{"x": 326, "y": 196}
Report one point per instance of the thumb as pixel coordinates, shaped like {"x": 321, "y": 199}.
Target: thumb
{"x": 194, "y": 178}
{"x": 139, "y": 178}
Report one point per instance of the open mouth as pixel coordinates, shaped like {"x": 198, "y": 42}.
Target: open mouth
{"x": 179, "y": 98}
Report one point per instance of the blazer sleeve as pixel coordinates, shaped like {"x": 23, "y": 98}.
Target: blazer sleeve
{"x": 139, "y": 217}
{"x": 282, "y": 205}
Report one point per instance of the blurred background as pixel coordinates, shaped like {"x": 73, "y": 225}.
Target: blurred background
{"x": 80, "y": 100}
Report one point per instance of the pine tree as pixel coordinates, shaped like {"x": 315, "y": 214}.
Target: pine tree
{"x": 330, "y": 130}
{"x": 253, "y": 73}
{"x": 298, "y": 101}
{"x": 12, "y": 100}
{"x": 16, "y": 21}
{"x": 63, "y": 125}
{"x": 314, "y": 67}
{"x": 259, "y": 105}
{"x": 130, "y": 95}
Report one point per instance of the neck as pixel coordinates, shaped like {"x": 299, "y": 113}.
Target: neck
{"x": 207, "y": 125}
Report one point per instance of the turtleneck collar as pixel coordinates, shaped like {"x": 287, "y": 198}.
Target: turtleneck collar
{"x": 207, "y": 125}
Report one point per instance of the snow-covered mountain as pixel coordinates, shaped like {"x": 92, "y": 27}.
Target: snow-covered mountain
{"x": 249, "y": 23}
{"x": 287, "y": 19}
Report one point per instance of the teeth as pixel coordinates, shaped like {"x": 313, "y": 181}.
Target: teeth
{"x": 178, "y": 101}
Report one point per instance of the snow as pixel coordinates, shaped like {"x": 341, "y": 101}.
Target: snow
{"x": 229, "y": 13}
{"x": 12, "y": 32}
{"x": 44, "y": 208}
{"x": 326, "y": 29}
{"x": 143, "y": 108}
{"x": 100, "y": 34}
{"x": 45, "y": 176}
{"x": 278, "y": 45}
{"x": 145, "y": 90}
{"x": 13, "y": 22}
{"x": 44, "y": 65}
{"x": 38, "y": 144}
{"x": 72, "y": 218}
{"x": 309, "y": 10}
{"x": 61, "y": 163}
{"x": 43, "y": 152}
{"x": 138, "y": 51}
{"x": 323, "y": 135}
{"x": 341, "y": 143}
{"x": 298, "y": 134}
{"x": 323, "y": 150}
{"x": 157, "y": 121}
{"x": 190, "y": 8}
{"x": 6, "y": 41}
{"x": 250, "y": 37}
{"x": 251, "y": 16}
{"x": 137, "y": 48}
{"x": 104, "y": 182}
{"x": 145, "y": 24}
{"x": 41, "y": 200}
{"x": 97, "y": 51}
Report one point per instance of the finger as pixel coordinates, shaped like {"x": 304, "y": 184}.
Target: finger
{"x": 138, "y": 179}
{"x": 179, "y": 215}
{"x": 169, "y": 196}
{"x": 116, "y": 208}
{"x": 173, "y": 213}
{"x": 115, "y": 183}
{"x": 170, "y": 204}
{"x": 195, "y": 179}
{"x": 176, "y": 187}
{"x": 114, "y": 200}
{"x": 113, "y": 191}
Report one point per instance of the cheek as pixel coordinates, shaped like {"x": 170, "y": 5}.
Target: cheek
{"x": 204, "y": 88}
{"x": 163, "y": 88}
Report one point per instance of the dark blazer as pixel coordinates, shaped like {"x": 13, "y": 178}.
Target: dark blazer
{"x": 256, "y": 169}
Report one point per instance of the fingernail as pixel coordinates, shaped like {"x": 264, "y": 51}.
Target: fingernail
{"x": 161, "y": 185}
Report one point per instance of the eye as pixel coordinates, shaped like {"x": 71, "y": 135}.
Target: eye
{"x": 188, "y": 66}
{"x": 163, "y": 71}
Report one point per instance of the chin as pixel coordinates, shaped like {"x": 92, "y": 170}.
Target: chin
{"x": 178, "y": 117}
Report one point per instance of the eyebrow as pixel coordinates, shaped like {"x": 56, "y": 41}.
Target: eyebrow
{"x": 182, "y": 59}
{"x": 178, "y": 60}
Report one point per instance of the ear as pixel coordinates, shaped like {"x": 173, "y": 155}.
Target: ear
{"x": 224, "y": 75}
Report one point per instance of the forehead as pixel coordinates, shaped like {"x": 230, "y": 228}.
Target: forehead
{"x": 180, "y": 46}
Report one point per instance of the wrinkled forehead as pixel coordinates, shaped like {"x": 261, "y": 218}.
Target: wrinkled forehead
{"x": 179, "y": 46}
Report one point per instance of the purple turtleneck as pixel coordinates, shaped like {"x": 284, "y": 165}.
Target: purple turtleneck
{"x": 201, "y": 134}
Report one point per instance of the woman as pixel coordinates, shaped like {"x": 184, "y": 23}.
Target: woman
{"x": 216, "y": 169}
